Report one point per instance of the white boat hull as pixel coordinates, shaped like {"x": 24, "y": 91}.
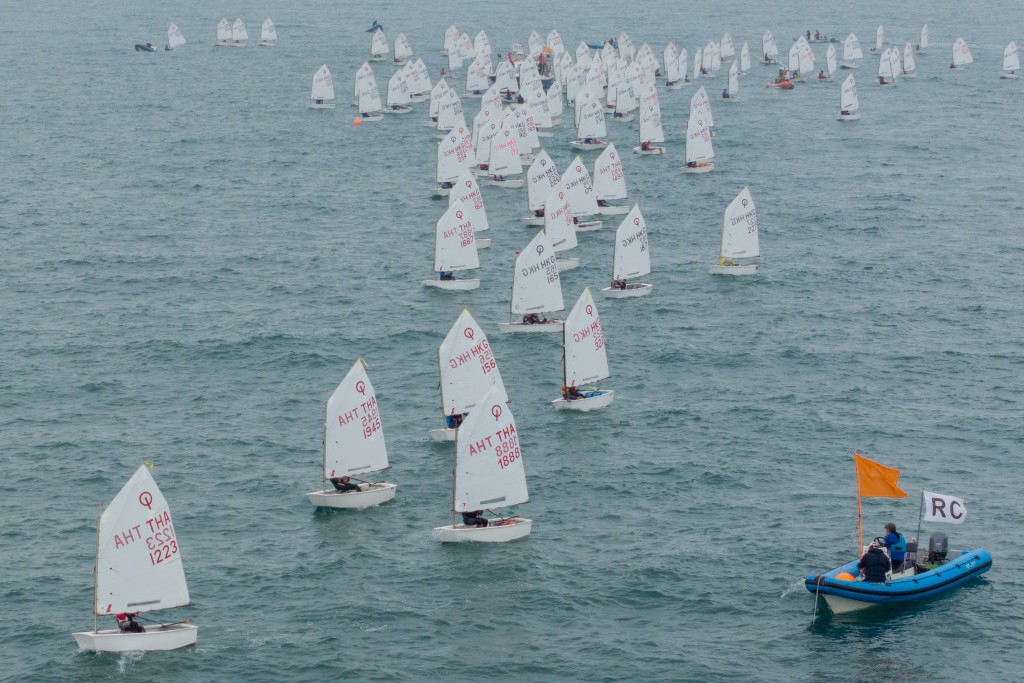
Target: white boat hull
{"x": 625, "y": 118}
{"x": 372, "y": 117}
{"x": 589, "y": 226}
{"x": 483, "y": 242}
{"x": 840, "y": 605}
{"x": 579, "y": 144}
{"x": 704, "y": 168}
{"x": 322, "y": 105}
{"x": 613, "y": 210}
{"x": 744, "y": 269}
{"x": 514, "y": 528}
{"x": 584, "y": 405}
{"x": 639, "y": 289}
{"x": 677, "y": 85}
{"x": 454, "y": 285}
{"x": 848, "y": 117}
{"x": 533, "y": 220}
{"x": 847, "y": 65}
{"x": 653, "y": 151}
{"x": 1007, "y": 75}
{"x": 511, "y": 184}
{"x": 443, "y": 434}
{"x": 370, "y": 495}
{"x": 441, "y": 191}
{"x": 398, "y": 110}
{"x": 567, "y": 264}
{"x": 532, "y": 328}
{"x": 156, "y": 637}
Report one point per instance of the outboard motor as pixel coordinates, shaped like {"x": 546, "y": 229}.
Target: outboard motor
{"x": 938, "y": 546}
{"x": 911, "y": 556}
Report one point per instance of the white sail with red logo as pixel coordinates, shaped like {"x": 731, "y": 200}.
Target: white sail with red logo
{"x": 584, "y": 357}
{"x": 609, "y": 182}
{"x": 454, "y": 250}
{"x": 488, "y": 474}
{"x": 631, "y": 259}
{"x": 138, "y": 569}
{"x": 536, "y": 289}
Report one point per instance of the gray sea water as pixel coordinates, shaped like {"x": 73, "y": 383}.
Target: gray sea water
{"x": 191, "y": 259}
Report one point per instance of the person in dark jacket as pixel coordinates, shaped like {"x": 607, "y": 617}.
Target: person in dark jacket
{"x": 896, "y": 544}
{"x": 474, "y": 518}
{"x": 344, "y": 485}
{"x": 874, "y": 564}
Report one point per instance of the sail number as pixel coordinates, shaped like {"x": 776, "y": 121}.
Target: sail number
{"x": 162, "y": 545}
{"x": 507, "y": 452}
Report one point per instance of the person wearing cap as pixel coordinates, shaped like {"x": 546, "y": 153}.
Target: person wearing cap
{"x": 874, "y": 564}
{"x": 896, "y": 544}
{"x": 344, "y": 484}
{"x": 126, "y": 622}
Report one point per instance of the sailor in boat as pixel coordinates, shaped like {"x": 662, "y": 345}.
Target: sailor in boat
{"x": 535, "y": 319}
{"x": 539, "y": 213}
{"x": 808, "y": 34}
{"x": 727, "y": 262}
{"x": 344, "y": 484}
{"x": 618, "y": 115}
{"x": 896, "y": 544}
{"x": 127, "y": 624}
{"x": 874, "y": 564}
{"x": 320, "y": 100}
{"x": 453, "y": 421}
{"x": 619, "y": 284}
{"x": 498, "y": 177}
{"x": 447, "y": 275}
{"x": 881, "y": 79}
{"x": 474, "y": 518}
{"x": 602, "y": 202}
{"x": 821, "y": 75}
{"x": 445, "y": 185}
{"x": 725, "y": 93}
{"x": 589, "y": 141}
{"x": 572, "y": 393}
{"x": 844, "y": 112}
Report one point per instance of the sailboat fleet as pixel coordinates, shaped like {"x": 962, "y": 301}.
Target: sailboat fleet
{"x": 521, "y": 99}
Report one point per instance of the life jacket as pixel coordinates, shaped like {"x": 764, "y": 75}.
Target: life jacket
{"x": 898, "y": 549}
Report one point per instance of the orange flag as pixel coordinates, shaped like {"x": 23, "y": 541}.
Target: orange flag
{"x": 875, "y": 480}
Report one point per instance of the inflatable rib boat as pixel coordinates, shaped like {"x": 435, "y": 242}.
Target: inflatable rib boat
{"x": 916, "y": 582}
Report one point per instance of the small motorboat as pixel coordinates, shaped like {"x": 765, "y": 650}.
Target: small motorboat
{"x": 148, "y": 47}
{"x": 783, "y": 84}
{"x": 935, "y": 574}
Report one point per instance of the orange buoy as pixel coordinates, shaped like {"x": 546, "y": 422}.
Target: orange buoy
{"x": 846, "y": 576}
{"x": 358, "y": 122}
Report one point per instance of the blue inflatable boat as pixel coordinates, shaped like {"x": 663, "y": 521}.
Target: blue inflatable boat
{"x": 914, "y": 582}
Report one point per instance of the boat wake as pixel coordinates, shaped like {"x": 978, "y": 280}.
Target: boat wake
{"x": 126, "y": 659}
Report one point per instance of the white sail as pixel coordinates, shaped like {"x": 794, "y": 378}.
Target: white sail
{"x": 961, "y": 53}
{"x": 580, "y": 188}
{"x": 451, "y": 39}
{"x": 486, "y": 126}
{"x": 364, "y": 75}
{"x": 449, "y": 110}
{"x": 466, "y": 47}
{"x": 879, "y": 38}
{"x": 422, "y": 84}
{"x": 379, "y": 44}
{"x": 924, "y": 37}
{"x": 398, "y": 91}
{"x": 525, "y": 128}
{"x": 455, "y": 154}
{"x": 1011, "y": 58}
{"x": 467, "y": 366}
{"x": 650, "y": 127}
{"x": 437, "y": 93}
{"x": 848, "y": 101}
{"x": 609, "y": 179}
{"x": 558, "y": 219}
{"x": 894, "y": 58}
{"x": 536, "y": 287}
{"x": 467, "y": 191}
{"x": 632, "y": 256}
{"x": 830, "y": 61}
{"x": 353, "y": 435}
{"x": 807, "y": 59}
{"x": 745, "y": 58}
{"x": 238, "y": 33}
{"x": 909, "y": 62}
{"x": 174, "y": 37}
{"x": 726, "y": 46}
{"x": 555, "y": 107}
{"x": 489, "y": 470}
{"x": 138, "y": 558}
{"x": 684, "y": 60}
{"x": 698, "y": 140}
{"x": 671, "y": 57}
{"x": 584, "y": 58}
{"x": 403, "y": 48}
{"x": 739, "y": 228}
{"x": 224, "y": 32}
{"x": 555, "y": 43}
{"x": 504, "y": 158}
{"x": 851, "y": 48}
{"x": 768, "y": 46}
{"x": 454, "y": 241}
{"x": 268, "y": 33}
{"x": 586, "y": 359}
{"x": 541, "y": 177}
{"x": 535, "y": 43}
{"x": 478, "y": 75}
{"x": 708, "y": 61}
{"x": 481, "y": 43}
{"x": 885, "y": 66}
{"x": 369, "y": 99}
{"x": 323, "y": 85}
{"x": 700, "y": 104}
{"x": 734, "y": 79}
{"x": 590, "y": 116}
{"x": 794, "y": 58}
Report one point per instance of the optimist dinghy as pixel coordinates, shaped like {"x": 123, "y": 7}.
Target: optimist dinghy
{"x": 454, "y": 250}
{"x": 584, "y": 359}
{"x": 536, "y": 289}
{"x": 631, "y": 259}
{"x": 739, "y": 237}
{"x": 353, "y": 445}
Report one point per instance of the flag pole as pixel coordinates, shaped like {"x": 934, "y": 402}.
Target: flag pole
{"x": 860, "y": 526}
{"x": 920, "y": 521}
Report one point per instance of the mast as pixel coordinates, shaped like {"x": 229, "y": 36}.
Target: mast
{"x": 324, "y": 446}
{"x": 440, "y": 387}
{"x": 96, "y": 576}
